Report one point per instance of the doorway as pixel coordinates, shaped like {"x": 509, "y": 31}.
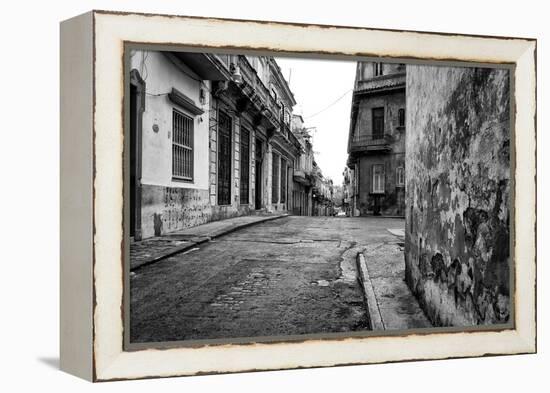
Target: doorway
{"x": 137, "y": 106}
{"x": 258, "y": 175}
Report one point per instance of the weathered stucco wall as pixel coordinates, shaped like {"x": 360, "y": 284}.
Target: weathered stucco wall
{"x": 161, "y": 75}
{"x": 457, "y": 187}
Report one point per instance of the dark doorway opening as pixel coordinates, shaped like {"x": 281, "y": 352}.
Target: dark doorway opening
{"x": 258, "y": 175}
{"x": 137, "y": 106}
{"x": 133, "y": 114}
{"x": 224, "y": 158}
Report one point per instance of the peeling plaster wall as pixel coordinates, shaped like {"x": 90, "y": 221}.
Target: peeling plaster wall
{"x": 457, "y": 190}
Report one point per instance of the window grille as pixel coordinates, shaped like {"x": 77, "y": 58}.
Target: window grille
{"x": 224, "y": 159}
{"x": 245, "y": 166}
{"x": 182, "y": 146}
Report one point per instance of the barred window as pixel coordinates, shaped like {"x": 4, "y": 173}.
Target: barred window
{"x": 225, "y": 127}
{"x": 275, "y": 179}
{"x": 182, "y": 146}
{"x": 245, "y": 166}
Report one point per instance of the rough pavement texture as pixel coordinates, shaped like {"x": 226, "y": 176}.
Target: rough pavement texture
{"x": 398, "y": 308}
{"x": 154, "y": 249}
{"x": 291, "y": 276}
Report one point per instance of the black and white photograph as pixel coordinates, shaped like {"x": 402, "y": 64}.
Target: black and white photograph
{"x": 273, "y": 197}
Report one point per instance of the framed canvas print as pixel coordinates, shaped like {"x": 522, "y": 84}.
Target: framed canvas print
{"x": 246, "y": 195}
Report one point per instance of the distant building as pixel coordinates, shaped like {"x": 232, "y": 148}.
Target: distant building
{"x": 303, "y": 170}
{"x": 348, "y": 192}
{"x": 322, "y": 198}
{"x": 376, "y": 143}
{"x": 209, "y": 139}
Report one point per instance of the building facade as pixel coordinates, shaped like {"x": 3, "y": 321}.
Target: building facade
{"x": 303, "y": 171}
{"x": 210, "y": 139}
{"x": 376, "y": 142}
{"x": 348, "y": 192}
{"x": 457, "y": 238}
{"x": 322, "y": 193}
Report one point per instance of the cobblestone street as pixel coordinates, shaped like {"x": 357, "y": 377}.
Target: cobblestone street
{"x": 290, "y": 276}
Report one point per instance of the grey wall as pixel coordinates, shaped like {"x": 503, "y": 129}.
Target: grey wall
{"x": 458, "y": 187}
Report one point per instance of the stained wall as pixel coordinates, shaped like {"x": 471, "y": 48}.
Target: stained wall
{"x": 457, "y": 250}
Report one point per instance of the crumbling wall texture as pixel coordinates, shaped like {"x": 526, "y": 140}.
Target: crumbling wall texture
{"x": 457, "y": 249}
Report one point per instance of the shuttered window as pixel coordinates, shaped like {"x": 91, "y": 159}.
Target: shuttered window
{"x": 182, "y": 146}
{"x": 224, "y": 159}
{"x": 378, "y": 178}
{"x": 245, "y": 166}
{"x": 400, "y": 175}
{"x": 377, "y": 123}
{"x": 275, "y": 179}
{"x": 401, "y": 116}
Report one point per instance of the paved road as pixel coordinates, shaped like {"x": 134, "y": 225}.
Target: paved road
{"x": 291, "y": 276}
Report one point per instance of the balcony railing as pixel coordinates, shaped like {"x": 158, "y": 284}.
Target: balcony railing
{"x": 371, "y": 143}
{"x": 256, "y": 91}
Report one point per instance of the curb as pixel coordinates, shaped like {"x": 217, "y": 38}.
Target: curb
{"x": 204, "y": 239}
{"x": 373, "y": 311}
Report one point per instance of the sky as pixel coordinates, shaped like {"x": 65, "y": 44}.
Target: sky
{"x": 323, "y": 91}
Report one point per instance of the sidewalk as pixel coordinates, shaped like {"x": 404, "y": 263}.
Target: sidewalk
{"x": 152, "y": 250}
{"x": 391, "y": 305}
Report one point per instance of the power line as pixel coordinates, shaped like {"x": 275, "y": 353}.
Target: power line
{"x": 321, "y": 111}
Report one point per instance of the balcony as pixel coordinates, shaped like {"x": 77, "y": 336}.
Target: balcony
{"x": 302, "y": 177}
{"x": 371, "y": 143}
{"x": 258, "y": 94}
{"x": 381, "y": 83}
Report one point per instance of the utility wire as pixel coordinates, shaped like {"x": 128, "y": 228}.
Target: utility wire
{"x": 329, "y": 106}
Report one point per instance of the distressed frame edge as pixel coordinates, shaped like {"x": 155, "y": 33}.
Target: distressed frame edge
{"x": 525, "y": 338}
{"x": 76, "y": 207}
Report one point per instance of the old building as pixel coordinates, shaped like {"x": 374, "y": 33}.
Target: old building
{"x": 376, "y": 143}
{"x": 457, "y": 250}
{"x": 303, "y": 170}
{"x": 210, "y": 139}
{"x": 348, "y": 192}
{"x": 322, "y": 193}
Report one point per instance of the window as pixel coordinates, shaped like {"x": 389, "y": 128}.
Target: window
{"x": 401, "y": 116}
{"x": 182, "y": 146}
{"x": 400, "y": 176}
{"x": 283, "y": 180}
{"x": 378, "y": 178}
{"x": 377, "y": 123}
{"x": 287, "y": 118}
{"x": 245, "y": 166}
{"x": 224, "y": 159}
{"x": 378, "y": 69}
{"x": 275, "y": 179}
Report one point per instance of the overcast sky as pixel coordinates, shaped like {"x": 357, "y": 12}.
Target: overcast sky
{"x": 316, "y": 85}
